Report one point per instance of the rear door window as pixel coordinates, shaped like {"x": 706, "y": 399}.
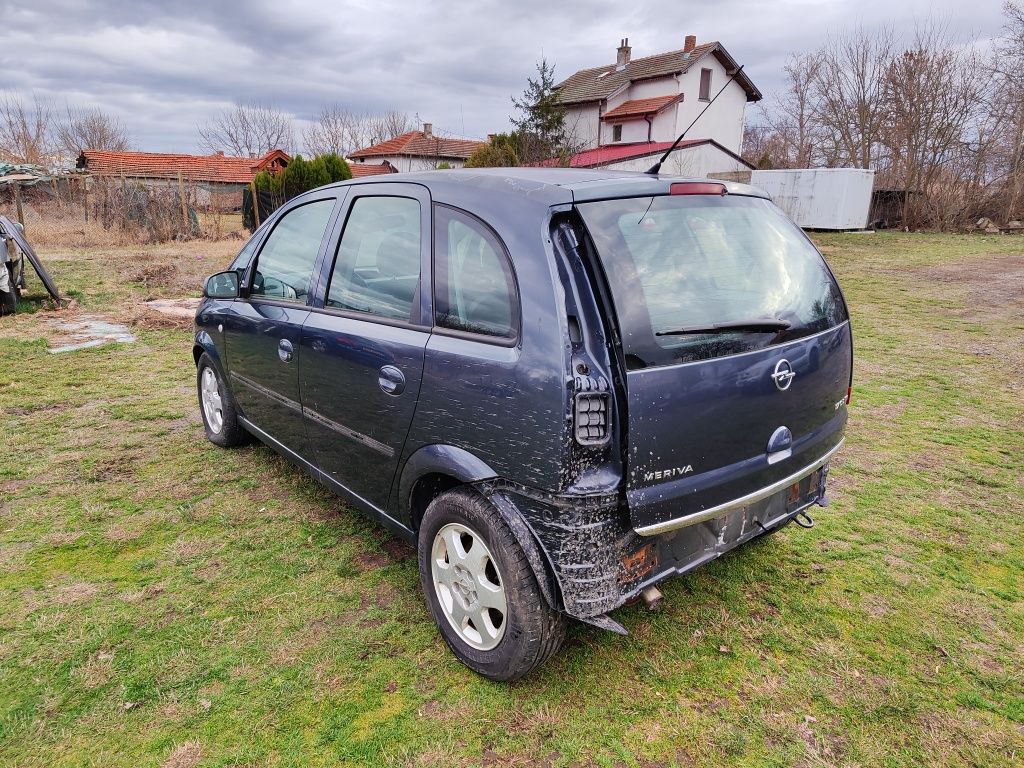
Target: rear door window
{"x": 284, "y": 267}
{"x": 475, "y": 290}
{"x": 377, "y": 269}
{"x": 683, "y": 269}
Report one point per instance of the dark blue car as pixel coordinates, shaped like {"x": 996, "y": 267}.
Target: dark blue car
{"x": 561, "y": 386}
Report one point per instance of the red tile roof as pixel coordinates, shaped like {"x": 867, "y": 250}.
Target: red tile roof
{"x": 641, "y": 107}
{"x": 153, "y": 165}
{"x": 370, "y": 169}
{"x": 420, "y": 144}
{"x": 615, "y": 153}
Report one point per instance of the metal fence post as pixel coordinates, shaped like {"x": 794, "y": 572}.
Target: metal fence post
{"x": 17, "y": 203}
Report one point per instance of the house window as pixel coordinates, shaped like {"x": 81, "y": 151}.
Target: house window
{"x": 705, "y": 84}
{"x": 616, "y": 133}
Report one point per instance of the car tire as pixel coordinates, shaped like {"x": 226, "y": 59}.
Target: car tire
{"x": 217, "y": 406}
{"x": 465, "y": 550}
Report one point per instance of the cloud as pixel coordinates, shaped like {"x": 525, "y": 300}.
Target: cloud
{"x": 164, "y": 67}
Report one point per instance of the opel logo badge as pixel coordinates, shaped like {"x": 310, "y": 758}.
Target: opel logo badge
{"x": 783, "y": 375}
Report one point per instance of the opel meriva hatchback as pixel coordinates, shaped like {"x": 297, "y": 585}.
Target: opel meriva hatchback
{"x": 561, "y": 386}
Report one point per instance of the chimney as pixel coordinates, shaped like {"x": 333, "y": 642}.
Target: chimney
{"x": 690, "y": 44}
{"x": 622, "y": 57}
{"x": 428, "y": 129}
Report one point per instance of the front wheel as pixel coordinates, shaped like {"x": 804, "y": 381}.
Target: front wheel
{"x": 217, "y": 405}
{"x": 481, "y": 590}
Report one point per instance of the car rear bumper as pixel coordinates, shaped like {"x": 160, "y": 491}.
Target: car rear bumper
{"x": 600, "y": 563}
{"x": 743, "y": 502}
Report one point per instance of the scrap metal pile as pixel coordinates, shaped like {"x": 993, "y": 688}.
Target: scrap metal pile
{"x": 14, "y": 250}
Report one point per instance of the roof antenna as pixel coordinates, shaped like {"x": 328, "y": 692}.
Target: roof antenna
{"x": 656, "y": 168}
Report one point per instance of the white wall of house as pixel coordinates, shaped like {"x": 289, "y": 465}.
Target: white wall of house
{"x": 723, "y": 122}
{"x": 582, "y": 122}
{"x": 408, "y": 164}
{"x": 694, "y": 162}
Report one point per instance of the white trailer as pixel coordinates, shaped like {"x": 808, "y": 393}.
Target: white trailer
{"x": 820, "y": 198}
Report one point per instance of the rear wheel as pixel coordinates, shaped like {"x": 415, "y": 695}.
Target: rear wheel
{"x": 216, "y": 403}
{"x": 481, "y": 590}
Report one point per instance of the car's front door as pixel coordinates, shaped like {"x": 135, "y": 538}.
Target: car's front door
{"x": 362, "y": 344}
{"x": 262, "y": 331}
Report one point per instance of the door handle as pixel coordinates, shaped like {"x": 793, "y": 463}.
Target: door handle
{"x": 285, "y": 351}
{"x": 391, "y": 381}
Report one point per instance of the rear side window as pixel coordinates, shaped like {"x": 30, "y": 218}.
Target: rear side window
{"x": 701, "y": 276}
{"x": 377, "y": 269}
{"x": 284, "y": 267}
{"x": 474, "y": 287}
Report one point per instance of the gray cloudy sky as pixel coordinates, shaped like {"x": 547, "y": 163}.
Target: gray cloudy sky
{"x": 165, "y": 66}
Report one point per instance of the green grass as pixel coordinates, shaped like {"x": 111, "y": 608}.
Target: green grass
{"x": 165, "y": 602}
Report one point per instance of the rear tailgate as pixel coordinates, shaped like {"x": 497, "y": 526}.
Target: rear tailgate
{"x": 699, "y": 433}
{"x": 737, "y": 345}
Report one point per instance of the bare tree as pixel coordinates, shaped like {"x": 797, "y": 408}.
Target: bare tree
{"x": 933, "y": 94}
{"x": 848, "y": 90}
{"x": 341, "y": 131}
{"x": 25, "y": 128}
{"x": 795, "y": 133}
{"x": 248, "y": 130}
{"x": 765, "y": 146}
{"x": 90, "y": 129}
{"x": 1007, "y": 112}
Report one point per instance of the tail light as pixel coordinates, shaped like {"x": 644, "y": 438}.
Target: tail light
{"x": 591, "y": 409}
{"x": 849, "y": 394}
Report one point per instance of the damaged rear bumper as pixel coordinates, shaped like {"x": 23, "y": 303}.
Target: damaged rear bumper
{"x": 599, "y": 562}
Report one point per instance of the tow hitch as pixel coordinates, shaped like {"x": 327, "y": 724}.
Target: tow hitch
{"x": 803, "y": 519}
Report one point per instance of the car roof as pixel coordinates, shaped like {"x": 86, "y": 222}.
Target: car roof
{"x": 556, "y": 185}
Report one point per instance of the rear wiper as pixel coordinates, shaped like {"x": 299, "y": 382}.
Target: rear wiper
{"x": 738, "y": 326}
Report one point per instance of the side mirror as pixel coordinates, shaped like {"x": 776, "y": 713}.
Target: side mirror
{"x": 223, "y": 285}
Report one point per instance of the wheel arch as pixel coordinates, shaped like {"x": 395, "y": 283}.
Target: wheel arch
{"x": 435, "y": 469}
{"x": 203, "y": 342}
{"x": 432, "y": 470}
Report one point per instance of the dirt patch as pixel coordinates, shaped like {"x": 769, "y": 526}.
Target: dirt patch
{"x": 97, "y": 670}
{"x": 397, "y": 550}
{"x": 993, "y": 280}
{"x": 142, "y": 315}
{"x": 188, "y": 548}
{"x": 119, "y": 467}
{"x": 186, "y": 755}
{"x": 371, "y": 561}
{"x": 28, "y": 411}
{"x": 76, "y": 593}
{"x": 165, "y": 275}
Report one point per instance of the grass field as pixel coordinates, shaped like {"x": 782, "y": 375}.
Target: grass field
{"x": 167, "y": 603}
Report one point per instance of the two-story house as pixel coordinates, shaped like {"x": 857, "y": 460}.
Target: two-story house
{"x": 625, "y": 113}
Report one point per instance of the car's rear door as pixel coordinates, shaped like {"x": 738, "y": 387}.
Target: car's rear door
{"x": 261, "y": 330}
{"x": 362, "y": 344}
{"x": 737, "y": 347}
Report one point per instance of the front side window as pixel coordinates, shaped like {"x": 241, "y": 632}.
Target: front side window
{"x": 695, "y": 277}
{"x": 474, "y": 286}
{"x": 377, "y": 268}
{"x": 284, "y": 268}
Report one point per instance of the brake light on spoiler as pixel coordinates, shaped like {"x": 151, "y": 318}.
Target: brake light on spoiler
{"x": 696, "y": 188}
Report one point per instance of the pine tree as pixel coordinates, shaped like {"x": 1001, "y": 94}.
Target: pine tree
{"x": 540, "y": 127}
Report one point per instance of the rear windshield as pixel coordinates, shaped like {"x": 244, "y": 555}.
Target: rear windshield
{"x": 681, "y": 267}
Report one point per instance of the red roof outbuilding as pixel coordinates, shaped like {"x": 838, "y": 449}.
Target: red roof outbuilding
{"x": 421, "y": 144}
{"x": 156, "y": 165}
{"x": 359, "y": 170}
